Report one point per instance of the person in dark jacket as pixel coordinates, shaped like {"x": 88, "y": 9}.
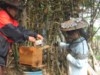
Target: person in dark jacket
{"x": 10, "y": 30}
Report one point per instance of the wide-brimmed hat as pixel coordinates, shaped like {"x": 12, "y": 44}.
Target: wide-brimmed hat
{"x": 73, "y": 24}
{"x": 11, "y": 3}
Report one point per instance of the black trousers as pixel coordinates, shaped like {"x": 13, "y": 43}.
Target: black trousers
{"x": 4, "y": 48}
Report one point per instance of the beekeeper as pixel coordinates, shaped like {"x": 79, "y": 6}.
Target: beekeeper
{"x": 76, "y": 45}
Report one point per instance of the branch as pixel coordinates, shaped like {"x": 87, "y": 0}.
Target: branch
{"x": 96, "y": 31}
{"x": 94, "y": 13}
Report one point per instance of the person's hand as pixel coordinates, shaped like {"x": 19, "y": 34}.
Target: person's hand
{"x": 32, "y": 39}
{"x": 40, "y": 37}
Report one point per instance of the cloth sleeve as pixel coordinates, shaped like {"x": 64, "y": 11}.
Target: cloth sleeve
{"x": 76, "y": 62}
{"x": 13, "y": 33}
{"x": 27, "y": 32}
{"x": 63, "y": 46}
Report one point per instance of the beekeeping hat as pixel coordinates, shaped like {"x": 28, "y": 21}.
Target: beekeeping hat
{"x": 11, "y": 3}
{"x": 73, "y": 24}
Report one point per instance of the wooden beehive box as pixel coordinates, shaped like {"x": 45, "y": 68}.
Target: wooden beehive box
{"x": 31, "y": 55}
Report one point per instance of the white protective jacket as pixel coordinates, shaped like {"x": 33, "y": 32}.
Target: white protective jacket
{"x": 77, "y": 66}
